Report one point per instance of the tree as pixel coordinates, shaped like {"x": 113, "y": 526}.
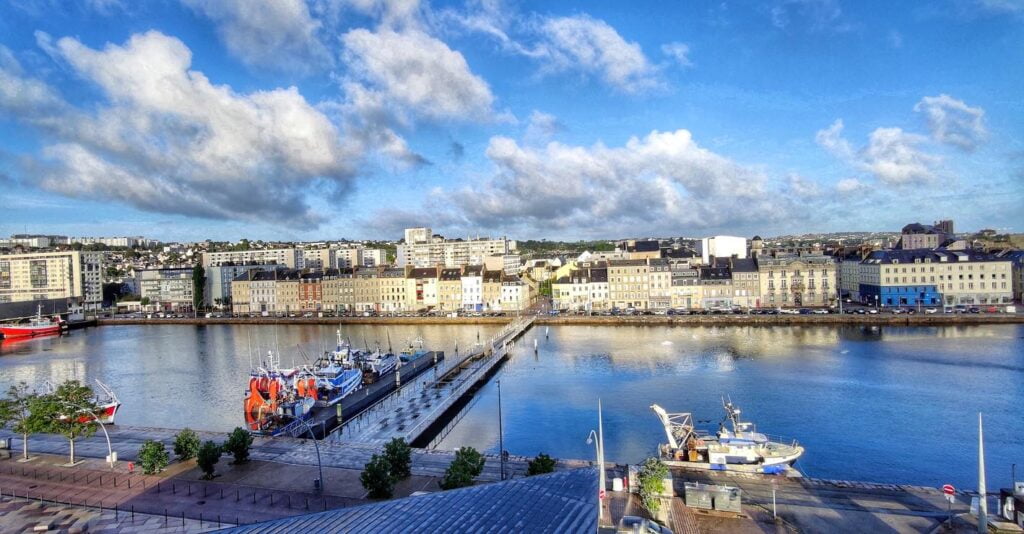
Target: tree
{"x": 651, "y": 479}
{"x": 540, "y": 465}
{"x": 207, "y": 458}
{"x": 238, "y": 444}
{"x": 467, "y": 465}
{"x": 198, "y": 286}
{"x": 377, "y": 479}
{"x": 70, "y": 411}
{"x": 186, "y": 444}
{"x": 144, "y": 301}
{"x": 152, "y": 457}
{"x": 20, "y": 413}
{"x": 399, "y": 455}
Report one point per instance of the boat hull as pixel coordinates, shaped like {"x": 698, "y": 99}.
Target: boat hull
{"x": 11, "y": 332}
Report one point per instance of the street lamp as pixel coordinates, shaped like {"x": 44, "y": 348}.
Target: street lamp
{"x": 599, "y": 450}
{"x": 501, "y": 434}
{"x": 319, "y": 464}
{"x": 110, "y": 450}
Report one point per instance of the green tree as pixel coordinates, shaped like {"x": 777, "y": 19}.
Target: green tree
{"x": 70, "y": 411}
{"x": 399, "y": 455}
{"x": 540, "y": 465}
{"x": 238, "y": 444}
{"x": 19, "y": 412}
{"x": 651, "y": 479}
{"x": 377, "y": 478}
{"x": 467, "y": 465}
{"x": 186, "y": 444}
{"x": 207, "y": 458}
{"x": 198, "y": 286}
{"x": 152, "y": 457}
{"x": 144, "y": 301}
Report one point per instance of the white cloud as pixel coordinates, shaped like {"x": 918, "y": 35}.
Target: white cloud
{"x": 953, "y": 122}
{"x": 831, "y": 139}
{"x": 801, "y": 187}
{"x": 678, "y": 52}
{"x": 661, "y": 182}
{"x": 893, "y": 156}
{"x": 167, "y": 139}
{"x": 591, "y": 46}
{"x": 1001, "y": 6}
{"x": 850, "y": 185}
{"x": 813, "y": 15}
{"x": 419, "y": 73}
{"x": 280, "y": 33}
{"x": 542, "y": 127}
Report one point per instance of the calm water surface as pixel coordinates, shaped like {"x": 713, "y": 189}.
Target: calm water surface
{"x": 884, "y": 404}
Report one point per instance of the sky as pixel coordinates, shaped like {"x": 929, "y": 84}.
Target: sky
{"x": 329, "y": 119}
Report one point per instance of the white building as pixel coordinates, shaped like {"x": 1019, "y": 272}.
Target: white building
{"x": 53, "y": 275}
{"x": 449, "y": 252}
{"x": 318, "y": 258}
{"x": 473, "y": 288}
{"x": 721, "y": 246}
{"x": 218, "y": 282}
{"x": 287, "y": 257}
{"x": 348, "y": 257}
{"x": 127, "y": 242}
{"x": 167, "y": 289}
{"x": 373, "y": 257}
{"x": 417, "y": 235}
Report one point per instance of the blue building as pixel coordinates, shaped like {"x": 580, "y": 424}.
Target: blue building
{"x": 883, "y": 285}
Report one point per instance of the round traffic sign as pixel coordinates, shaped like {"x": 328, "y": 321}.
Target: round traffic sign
{"x": 948, "y": 489}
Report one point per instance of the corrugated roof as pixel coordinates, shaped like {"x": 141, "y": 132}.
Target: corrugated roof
{"x": 565, "y": 501}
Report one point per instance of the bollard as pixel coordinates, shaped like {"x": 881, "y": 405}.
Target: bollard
{"x": 271, "y": 499}
{"x": 218, "y": 520}
{"x": 158, "y": 487}
{"x": 222, "y": 493}
{"x": 254, "y": 496}
{"x": 237, "y": 495}
{"x": 129, "y": 482}
{"x": 307, "y": 503}
{"x": 204, "y": 491}
{"x": 133, "y": 514}
{"x": 165, "y": 517}
{"x": 200, "y": 519}
{"x": 190, "y": 488}
{"x": 115, "y": 511}
{"x": 289, "y": 501}
{"x": 182, "y": 518}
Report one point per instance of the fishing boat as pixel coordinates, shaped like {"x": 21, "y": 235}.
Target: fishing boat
{"x": 337, "y": 374}
{"x": 736, "y": 446}
{"x": 106, "y": 402}
{"x": 37, "y": 326}
{"x": 278, "y": 399}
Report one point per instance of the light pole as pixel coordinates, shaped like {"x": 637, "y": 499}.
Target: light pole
{"x": 110, "y": 450}
{"x": 595, "y": 439}
{"x": 319, "y": 464}
{"x": 501, "y": 434}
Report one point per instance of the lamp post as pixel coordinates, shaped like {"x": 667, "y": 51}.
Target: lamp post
{"x": 319, "y": 464}
{"x": 501, "y": 434}
{"x": 110, "y": 450}
{"x": 599, "y": 446}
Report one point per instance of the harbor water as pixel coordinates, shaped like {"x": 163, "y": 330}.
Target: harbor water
{"x": 884, "y": 404}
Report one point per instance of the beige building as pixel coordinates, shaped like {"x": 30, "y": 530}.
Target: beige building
{"x": 492, "y": 290}
{"x": 339, "y": 291}
{"x": 448, "y": 252}
{"x": 659, "y": 284}
{"x": 287, "y": 292}
{"x": 628, "y": 286}
{"x": 367, "y": 290}
{"x": 285, "y": 257}
{"x": 795, "y": 280}
{"x": 393, "y": 291}
{"x": 422, "y": 288}
{"x": 75, "y": 275}
{"x": 449, "y": 289}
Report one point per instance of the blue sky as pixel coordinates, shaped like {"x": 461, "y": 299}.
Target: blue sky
{"x": 354, "y": 118}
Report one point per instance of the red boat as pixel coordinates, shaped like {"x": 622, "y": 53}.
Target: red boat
{"x": 106, "y": 402}
{"x": 38, "y": 326}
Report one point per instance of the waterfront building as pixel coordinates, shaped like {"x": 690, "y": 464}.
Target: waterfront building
{"x": 933, "y": 277}
{"x": 1016, "y": 258}
{"x": 640, "y": 249}
{"x": 338, "y": 290}
{"x": 450, "y": 252}
{"x": 584, "y": 288}
{"x": 628, "y": 286}
{"x": 472, "y": 281}
{"x": 220, "y": 279}
{"x": 715, "y": 285}
{"x": 721, "y": 246}
{"x": 492, "y": 289}
{"x": 424, "y": 288}
{"x": 516, "y": 295}
{"x": 746, "y": 283}
{"x": 311, "y": 290}
{"x": 804, "y": 279}
{"x": 262, "y": 291}
{"x": 686, "y": 289}
{"x": 72, "y": 275}
{"x": 849, "y": 275}
{"x": 659, "y": 283}
{"x": 449, "y": 289}
{"x": 367, "y": 290}
{"x": 287, "y": 291}
{"x": 286, "y": 257}
{"x": 167, "y": 289}
{"x": 393, "y": 289}
{"x": 923, "y": 236}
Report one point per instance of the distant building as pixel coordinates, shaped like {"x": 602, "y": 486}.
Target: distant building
{"x": 628, "y": 286}
{"x": 640, "y": 249}
{"x": 417, "y": 235}
{"x": 933, "y": 277}
{"x": 218, "y": 282}
{"x": 167, "y": 289}
{"x": 795, "y": 280}
{"x": 449, "y": 252}
{"x": 721, "y": 246}
{"x": 920, "y": 236}
{"x": 290, "y": 258}
{"x": 70, "y": 275}
{"x": 1016, "y": 258}
{"x": 372, "y": 257}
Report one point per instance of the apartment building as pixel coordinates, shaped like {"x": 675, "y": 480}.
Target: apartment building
{"x": 472, "y": 281}
{"x": 686, "y": 289}
{"x": 716, "y": 286}
{"x": 584, "y": 288}
{"x": 492, "y": 290}
{"x": 287, "y": 291}
{"x": 628, "y": 286}
{"x": 393, "y": 291}
{"x": 319, "y": 258}
{"x": 219, "y": 280}
{"x": 449, "y": 289}
{"x": 516, "y": 295}
{"x": 932, "y": 277}
{"x": 1016, "y": 258}
{"x": 339, "y": 290}
{"x": 71, "y": 275}
{"x": 286, "y": 257}
{"x": 424, "y": 288}
{"x": 311, "y": 296}
{"x": 746, "y": 282}
{"x": 796, "y": 279}
{"x": 450, "y": 252}
{"x": 659, "y": 284}
{"x": 373, "y": 257}
{"x": 367, "y": 290}
{"x": 167, "y": 289}
{"x": 721, "y": 246}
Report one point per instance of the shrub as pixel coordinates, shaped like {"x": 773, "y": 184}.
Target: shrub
{"x": 377, "y": 479}
{"x": 540, "y": 465}
{"x": 153, "y": 457}
{"x": 467, "y": 465}
{"x": 238, "y": 444}
{"x": 207, "y": 458}
{"x": 399, "y": 455}
{"x": 186, "y": 444}
{"x": 652, "y": 483}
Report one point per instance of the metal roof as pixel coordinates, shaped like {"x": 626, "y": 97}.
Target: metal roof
{"x": 565, "y": 501}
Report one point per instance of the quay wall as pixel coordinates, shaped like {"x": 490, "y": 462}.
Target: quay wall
{"x": 640, "y": 320}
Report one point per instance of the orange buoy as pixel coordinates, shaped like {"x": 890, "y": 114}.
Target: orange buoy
{"x": 311, "y": 388}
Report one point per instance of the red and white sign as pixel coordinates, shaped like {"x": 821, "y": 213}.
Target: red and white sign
{"x": 948, "y": 489}
{"x": 600, "y": 495}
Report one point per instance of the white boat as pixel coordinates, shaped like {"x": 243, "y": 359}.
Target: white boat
{"x": 739, "y": 448}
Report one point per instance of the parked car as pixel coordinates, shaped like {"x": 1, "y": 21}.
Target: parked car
{"x": 632, "y": 524}
{"x": 974, "y": 309}
{"x": 930, "y": 311}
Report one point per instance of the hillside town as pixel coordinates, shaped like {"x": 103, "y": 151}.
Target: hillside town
{"x": 923, "y": 268}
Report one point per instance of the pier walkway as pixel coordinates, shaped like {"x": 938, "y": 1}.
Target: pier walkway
{"x": 415, "y": 408}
